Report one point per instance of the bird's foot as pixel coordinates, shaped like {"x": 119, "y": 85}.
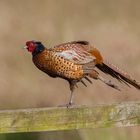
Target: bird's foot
{"x": 67, "y": 105}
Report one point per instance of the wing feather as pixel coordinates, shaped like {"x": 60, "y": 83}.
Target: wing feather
{"x": 75, "y": 51}
{"x": 76, "y": 56}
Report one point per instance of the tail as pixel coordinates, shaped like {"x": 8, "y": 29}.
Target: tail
{"x": 109, "y": 83}
{"x": 95, "y": 75}
{"x": 115, "y": 72}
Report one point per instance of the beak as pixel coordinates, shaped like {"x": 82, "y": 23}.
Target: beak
{"x": 25, "y": 47}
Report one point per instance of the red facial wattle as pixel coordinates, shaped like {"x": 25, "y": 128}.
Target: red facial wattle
{"x": 30, "y": 46}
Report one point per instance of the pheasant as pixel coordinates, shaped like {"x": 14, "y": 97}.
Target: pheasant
{"x": 75, "y": 61}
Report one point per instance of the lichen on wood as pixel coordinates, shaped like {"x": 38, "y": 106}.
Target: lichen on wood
{"x": 77, "y": 117}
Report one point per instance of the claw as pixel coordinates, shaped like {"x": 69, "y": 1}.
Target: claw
{"x": 67, "y": 105}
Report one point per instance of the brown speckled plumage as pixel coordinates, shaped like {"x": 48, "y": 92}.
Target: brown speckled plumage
{"x": 57, "y": 66}
{"x": 75, "y": 61}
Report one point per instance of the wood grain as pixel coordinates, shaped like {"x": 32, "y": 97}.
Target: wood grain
{"x": 77, "y": 117}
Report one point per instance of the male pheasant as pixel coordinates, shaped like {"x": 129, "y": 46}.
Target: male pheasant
{"x": 75, "y": 61}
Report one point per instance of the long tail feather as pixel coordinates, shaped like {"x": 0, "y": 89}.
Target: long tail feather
{"x": 95, "y": 75}
{"x": 115, "y": 72}
{"x": 83, "y": 83}
{"x": 109, "y": 83}
{"x": 88, "y": 80}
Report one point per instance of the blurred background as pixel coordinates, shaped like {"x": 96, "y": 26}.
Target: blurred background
{"x": 112, "y": 26}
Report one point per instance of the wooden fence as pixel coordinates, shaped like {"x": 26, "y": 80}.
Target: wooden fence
{"x": 77, "y": 117}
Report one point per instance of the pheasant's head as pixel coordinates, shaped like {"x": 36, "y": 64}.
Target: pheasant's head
{"x": 34, "y": 47}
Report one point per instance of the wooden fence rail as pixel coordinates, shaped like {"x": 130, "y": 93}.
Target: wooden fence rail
{"x": 77, "y": 117}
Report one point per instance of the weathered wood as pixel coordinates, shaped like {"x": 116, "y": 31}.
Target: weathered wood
{"x": 60, "y": 118}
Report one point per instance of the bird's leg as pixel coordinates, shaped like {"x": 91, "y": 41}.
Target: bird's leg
{"x": 71, "y": 98}
{"x": 72, "y": 87}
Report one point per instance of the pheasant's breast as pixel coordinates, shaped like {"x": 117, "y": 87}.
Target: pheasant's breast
{"x": 58, "y": 66}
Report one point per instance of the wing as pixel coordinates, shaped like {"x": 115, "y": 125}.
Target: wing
{"x": 76, "y": 54}
{"x": 79, "y": 52}
{"x": 69, "y": 45}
